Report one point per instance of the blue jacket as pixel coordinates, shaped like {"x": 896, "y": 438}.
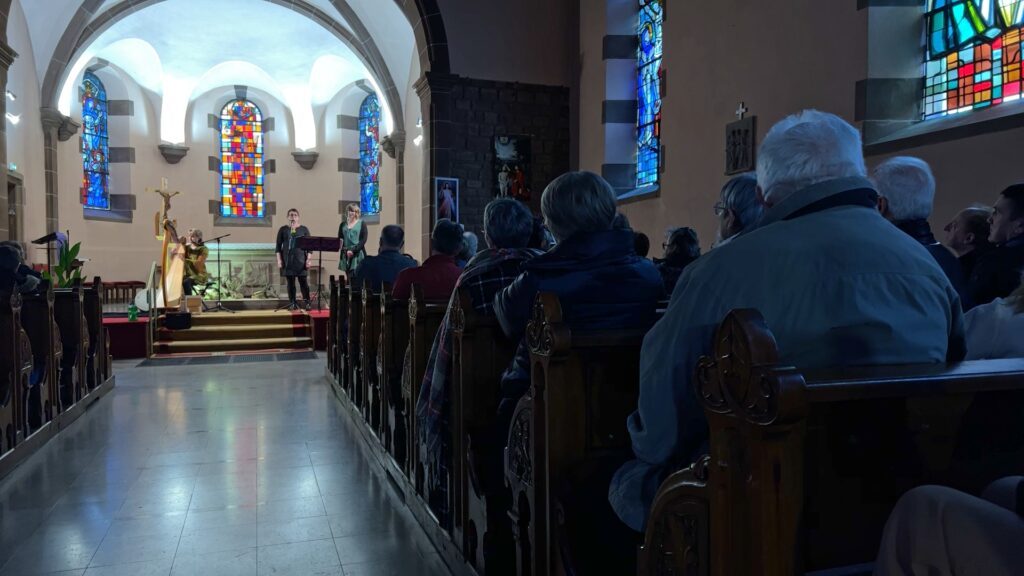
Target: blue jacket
{"x": 383, "y": 267}
{"x": 837, "y": 284}
{"x": 601, "y": 284}
{"x": 921, "y": 231}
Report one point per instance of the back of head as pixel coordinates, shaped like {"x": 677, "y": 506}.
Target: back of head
{"x": 469, "y": 245}
{"x": 683, "y": 244}
{"x": 17, "y": 246}
{"x": 804, "y": 149}
{"x": 508, "y": 223}
{"x": 641, "y": 244}
{"x": 740, "y": 195}
{"x": 975, "y": 221}
{"x": 908, "y": 186}
{"x": 446, "y": 237}
{"x": 1015, "y": 194}
{"x": 10, "y": 259}
{"x": 392, "y": 237}
{"x": 578, "y": 202}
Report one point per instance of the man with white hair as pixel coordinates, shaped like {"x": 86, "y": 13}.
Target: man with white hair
{"x": 906, "y": 190}
{"x": 836, "y": 283}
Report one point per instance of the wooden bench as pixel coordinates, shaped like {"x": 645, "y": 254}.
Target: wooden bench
{"x": 352, "y": 374}
{"x": 15, "y": 368}
{"x": 390, "y": 363}
{"x": 37, "y": 320}
{"x": 368, "y": 350}
{"x": 583, "y": 386}
{"x": 97, "y": 368}
{"x": 69, "y": 312}
{"x": 804, "y": 467}
{"x": 332, "y": 326}
{"x": 480, "y": 354}
{"x": 424, "y": 321}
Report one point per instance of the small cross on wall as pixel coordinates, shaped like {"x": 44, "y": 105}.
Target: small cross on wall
{"x": 741, "y": 111}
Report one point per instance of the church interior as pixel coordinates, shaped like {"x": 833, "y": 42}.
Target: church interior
{"x": 452, "y": 287}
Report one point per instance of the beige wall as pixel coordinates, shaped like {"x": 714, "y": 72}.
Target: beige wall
{"x": 776, "y": 61}
{"x": 25, "y": 141}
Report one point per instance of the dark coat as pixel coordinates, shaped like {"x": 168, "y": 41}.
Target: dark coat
{"x": 382, "y": 268}
{"x": 293, "y": 258}
{"x": 671, "y": 269}
{"x": 997, "y": 273}
{"x": 921, "y": 231}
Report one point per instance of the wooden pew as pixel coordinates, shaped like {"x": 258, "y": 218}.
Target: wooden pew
{"x": 15, "y": 368}
{"x": 99, "y": 360}
{"x": 480, "y": 354}
{"x": 37, "y": 320}
{"x": 70, "y": 317}
{"x": 583, "y": 386}
{"x": 390, "y": 359}
{"x": 424, "y": 320}
{"x": 804, "y": 467}
{"x": 332, "y": 326}
{"x": 352, "y": 369}
{"x": 368, "y": 349}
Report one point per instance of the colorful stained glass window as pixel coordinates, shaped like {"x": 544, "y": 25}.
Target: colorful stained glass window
{"x": 369, "y": 155}
{"x": 649, "y": 76}
{"x": 95, "y": 144}
{"x": 241, "y": 160}
{"x": 973, "y": 55}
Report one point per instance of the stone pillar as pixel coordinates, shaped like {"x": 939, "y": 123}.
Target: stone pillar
{"x": 434, "y": 90}
{"x": 56, "y": 128}
{"x": 7, "y": 56}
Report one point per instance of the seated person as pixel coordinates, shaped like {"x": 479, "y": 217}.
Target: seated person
{"x": 641, "y": 244}
{"x": 195, "y": 261}
{"x": 438, "y": 274}
{"x": 836, "y": 282}
{"x": 997, "y": 273}
{"x": 14, "y": 274}
{"x": 906, "y": 190}
{"x": 994, "y": 329}
{"x": 967, "y": 237}
{"x": 938, "y": 531}
{"x": 681, "y": 249}
{"x": 738, "y": 208}
{"x": 470, "y": 243}
{"x": 389, "y": 261}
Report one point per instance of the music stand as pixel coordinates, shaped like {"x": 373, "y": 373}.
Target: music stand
{"x": 219, "y": 306}
{"x": 319, "y": 244}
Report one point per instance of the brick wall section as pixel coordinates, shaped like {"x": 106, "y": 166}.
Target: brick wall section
{"x": 483, "y": 109}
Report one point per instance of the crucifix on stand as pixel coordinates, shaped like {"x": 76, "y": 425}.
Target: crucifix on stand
{"x": 171, "y": 269}
{"x": 740, "y": 137}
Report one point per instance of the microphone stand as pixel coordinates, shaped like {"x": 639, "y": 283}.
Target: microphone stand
{"x": 218, "y": 306}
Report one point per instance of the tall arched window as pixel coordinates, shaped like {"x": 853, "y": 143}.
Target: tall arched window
{"x": 973, "y": 57}
{"x": 95, "y": 145}
{"x": 241, "y": 160}
{"x": 369, "y": 155}
{"x": 648, "y": 81}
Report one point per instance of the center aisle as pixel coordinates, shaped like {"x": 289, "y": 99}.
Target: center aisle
{"x": 192, "y": 470}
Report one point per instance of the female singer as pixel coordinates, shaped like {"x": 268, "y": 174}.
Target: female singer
{"x": 195, "y": 261}
{"x": 352, "y": 233}
{"x": 292, "y": 260}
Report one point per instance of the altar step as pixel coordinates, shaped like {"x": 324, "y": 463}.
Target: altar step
{"x": 241, "y": 331}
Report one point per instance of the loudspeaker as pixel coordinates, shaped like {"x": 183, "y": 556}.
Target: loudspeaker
{"x": 178, "y": 321}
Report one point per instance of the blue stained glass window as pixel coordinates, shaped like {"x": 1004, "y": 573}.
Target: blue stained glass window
{"x": 241, "y": 160}
{"x": 649, "y": 75}
{"x": 95, "y": 144}
{"x": 369, "y": 155}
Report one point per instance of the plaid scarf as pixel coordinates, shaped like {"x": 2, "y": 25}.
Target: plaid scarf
{"x": 485, "y": 275}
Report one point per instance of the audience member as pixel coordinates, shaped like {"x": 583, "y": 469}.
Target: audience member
{"x": 14, "y": 274}
{"x": 836, "y": 282}
{"x": 738, "y": 208}
{"x": 508, "y": 227}
{"x": 994, "y": 330}
{"x": 681, "y": 248}
{"x": 602, "y": 284}
{"x": 641, "y": 244}
{"x": 906, "y": 190}
{"x": 967, "y": 237}
{"x": 389, "y": 261}
{"x": 997, "y": 273}
{"x": 469, "y": 247}
{"x": 438, "y": 274}
{"x": 939, "y": 531}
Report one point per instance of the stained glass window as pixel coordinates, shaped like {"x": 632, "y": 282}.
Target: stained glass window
{"x": 649, "y": 76}
{"x": 369, "y": 155}
{"x": 973, "y": 54}
{"x": 95, "y": 145}
{"x": 241, "y": 160}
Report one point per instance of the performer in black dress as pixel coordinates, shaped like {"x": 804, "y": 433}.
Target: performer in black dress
{"x": 292, "y": 260}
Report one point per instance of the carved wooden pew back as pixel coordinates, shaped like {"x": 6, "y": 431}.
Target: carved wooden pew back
{"x": 69, "y": 313}
{"x": 583, "y": 387}
{"x": 424, "y": 321}
{"x": 352, "y": 368}
{"x": 806, "y": 466}
{"x": 37, "y": 320}
{"x": 368, "y": 350}
{"x": 332, "y": 326}
{"x": 98, "y": 353}
{"x": 15, "y": 370}
{"x": 394, "y": 340}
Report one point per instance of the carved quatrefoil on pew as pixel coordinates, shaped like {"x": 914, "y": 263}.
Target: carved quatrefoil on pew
{"x": 519, "y": 447}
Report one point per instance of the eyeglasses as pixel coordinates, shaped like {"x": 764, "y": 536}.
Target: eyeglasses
{"x": 720, "y": 209}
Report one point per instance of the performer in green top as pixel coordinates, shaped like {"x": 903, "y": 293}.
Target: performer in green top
{"x": 195, "y": 261}
{"x": 352, "y": 233}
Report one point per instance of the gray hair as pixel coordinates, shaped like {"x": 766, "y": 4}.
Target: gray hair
{"x": 740, "y": 195}
{"x": 908, "y": 185}
{"x": 807, "y": 148}
{"x": 577, "y": 202}
{"x": 508, "y": 223}
{"x": 469, "y": 245}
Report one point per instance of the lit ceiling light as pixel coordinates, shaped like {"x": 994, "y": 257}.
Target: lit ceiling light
{"x": 11, "y": 96}
{"x": 418, "y": 139}
{"x": 13, "y": 118}
{"x": 419, "y": 122}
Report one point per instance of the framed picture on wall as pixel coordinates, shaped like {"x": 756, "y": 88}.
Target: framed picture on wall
{"x": 446, "y": 199}
{"x": 512, "y": 167}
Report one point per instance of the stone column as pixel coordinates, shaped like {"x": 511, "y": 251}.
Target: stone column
{"x": 7, "y": 56}
{"x": 434, "y": 90}
{"x": 56, "y": 128}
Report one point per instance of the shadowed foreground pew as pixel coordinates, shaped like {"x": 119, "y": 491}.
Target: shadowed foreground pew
{"x": 37, "y": 320}
{"x": 394, "y": 339}
{"x": 806, "y": 466}
{"x": 424, "y": 321}
{"x": 583, "y": 387}
{"x": 332, "y": 325}
{"x": 369, "y": 343}
{"x": 352, "y": 371}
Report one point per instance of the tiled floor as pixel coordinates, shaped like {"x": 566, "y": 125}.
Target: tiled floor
{"x": 220, "y": 470}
